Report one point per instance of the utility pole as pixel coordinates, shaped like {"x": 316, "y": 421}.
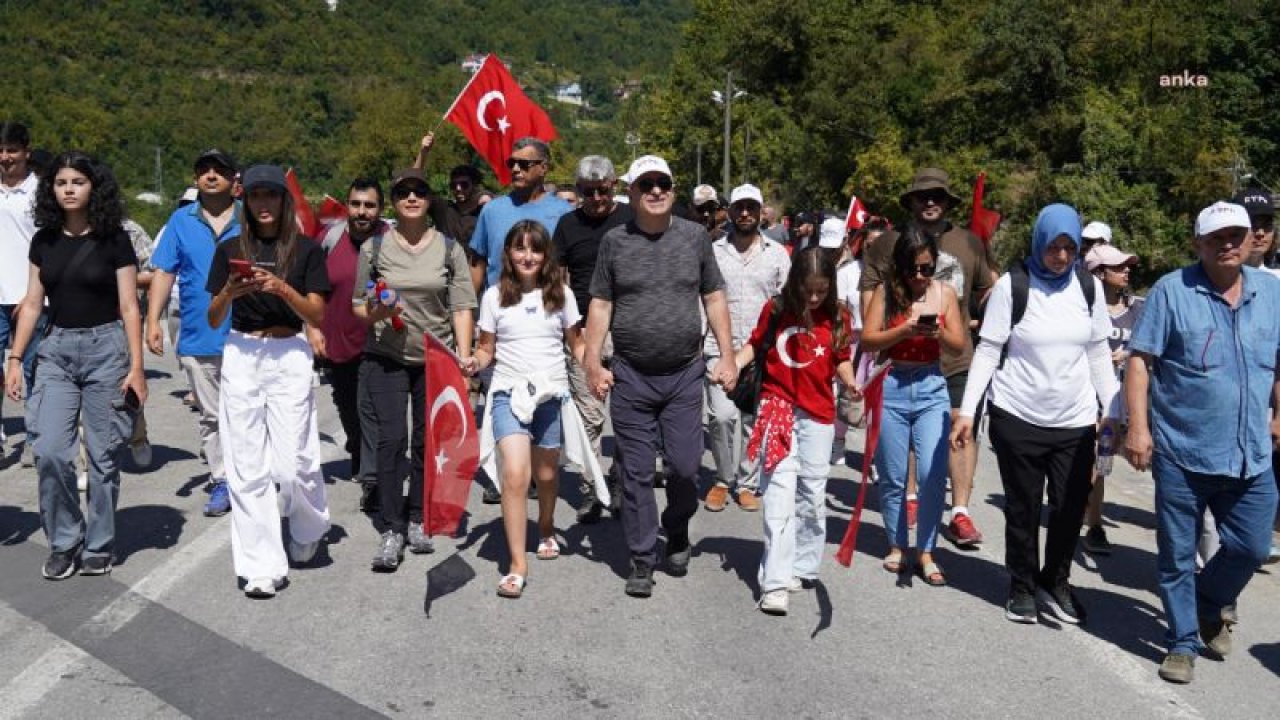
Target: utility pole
{"x": 699, "y": 163}
{"x": 728, "y": 105}
{"x": 159, "y": 174}
{"x": 746, "y": 153}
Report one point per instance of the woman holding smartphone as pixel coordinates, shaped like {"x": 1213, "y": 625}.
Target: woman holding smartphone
{"x": 911, "y": 319}
{"x": 89, "y": 366}
{"x": 271, "y": 279}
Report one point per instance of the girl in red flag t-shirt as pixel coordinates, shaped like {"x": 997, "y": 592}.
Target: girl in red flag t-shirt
{"x": 808, "y": 345}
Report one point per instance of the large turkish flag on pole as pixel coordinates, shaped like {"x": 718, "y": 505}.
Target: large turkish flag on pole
{"x": 452, "y": 452}
{"x": 873, "y": 398}
{"x": 493, "y": 112}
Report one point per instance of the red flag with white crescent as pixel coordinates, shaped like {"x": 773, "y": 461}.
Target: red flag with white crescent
{"x": 493, "y": 112}
{"x": 306, "y": 217}
{"x": 452, "y": 443}
{"x": 332, "y": 210}
{"x": 873, "y": 399}
{"x": 857, "y": 215}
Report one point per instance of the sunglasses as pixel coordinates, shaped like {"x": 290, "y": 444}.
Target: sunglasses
{"x": 1119, "y": 268}
{"x": 524, "y": 165}
{"x": 937, "y": 197}
{"x": 646, "y": 185}
{"x": 925, "y": 270}
{"x": 1264, "y": 226}
{"x": 401, "y": 193}
{"x": 593, "y": 193}
{"x": 461, "y": 184}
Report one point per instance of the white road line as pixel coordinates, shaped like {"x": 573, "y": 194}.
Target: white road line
{"x": 24, "y": 692}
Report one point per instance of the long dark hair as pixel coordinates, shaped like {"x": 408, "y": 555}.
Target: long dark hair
{"x": 814, "y": 262}
{"x": 106, "y": 209}
{"x": 286, "y": 240}
{"x": 550, "y": 281}
{"x": 905, "y": 249}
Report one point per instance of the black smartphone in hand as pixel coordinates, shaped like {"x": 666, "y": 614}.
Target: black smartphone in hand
{"x": 928, "y": 320}
{"x": 129, "y": 400}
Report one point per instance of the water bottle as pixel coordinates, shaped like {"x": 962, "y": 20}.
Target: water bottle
{"x": 1106, "y": 451}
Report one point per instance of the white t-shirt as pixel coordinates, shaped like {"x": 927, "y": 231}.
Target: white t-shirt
{"x": 529, "y": 339}
{"x": 17, "y": 226}
{"x": 847, "y": 279}
{"x": 1046, "y": 379}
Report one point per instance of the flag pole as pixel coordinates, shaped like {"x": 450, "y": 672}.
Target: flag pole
{"x": 428, "y": 465}
{"x": 463, "y": 91}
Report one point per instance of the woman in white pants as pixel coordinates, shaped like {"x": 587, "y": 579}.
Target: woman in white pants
{"x": 271, "y": 279}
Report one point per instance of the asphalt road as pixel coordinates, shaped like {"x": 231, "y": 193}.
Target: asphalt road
{"x": 169, "y": 634}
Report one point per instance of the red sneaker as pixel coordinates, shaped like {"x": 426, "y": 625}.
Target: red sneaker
{"x": 913, "y": 507}
{"x": 962, "y": 532}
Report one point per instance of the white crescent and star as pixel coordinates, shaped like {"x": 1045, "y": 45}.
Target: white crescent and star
{"x": 448, "y": 396}
{"x": 492, "y": 96}
{"x": 781, "y": 345}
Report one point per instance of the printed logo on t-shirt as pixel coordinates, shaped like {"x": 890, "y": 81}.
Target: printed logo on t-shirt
{"x": 950, "y": 271}
{"x": 805, "y": 345}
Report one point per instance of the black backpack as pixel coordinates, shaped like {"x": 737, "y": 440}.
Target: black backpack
{"x": 1020, "y": 289}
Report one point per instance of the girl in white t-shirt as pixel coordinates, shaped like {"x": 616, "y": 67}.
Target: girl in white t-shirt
{"x": 525, "y": 320}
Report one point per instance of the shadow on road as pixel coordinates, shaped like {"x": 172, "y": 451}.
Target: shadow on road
{"x": 736, "y": 554}
{"x": 162, "y": 455}
{"x": 146, "y": 527}
{"x": 1133, "y": 626}
{"x": 1268, "y": 654}
{"x": 16, "y": 525}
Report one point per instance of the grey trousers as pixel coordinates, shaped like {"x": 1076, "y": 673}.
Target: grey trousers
{"x": 204, "y": 375}
{"x": 79, "y": 373}
{"x": 729, "y": 430}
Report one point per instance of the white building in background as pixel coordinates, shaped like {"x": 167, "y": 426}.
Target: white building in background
{"x": 570, "y": 94}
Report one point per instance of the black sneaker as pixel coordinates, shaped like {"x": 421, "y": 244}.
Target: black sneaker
{"x": 678, "y": 553}
{"x": 1095, "y": 541}
{"x": 491, "y": 496}
{"x": 1061, "y": 603}
{"x": 615, "y": 492}
{"x": 1230, "y": 615}
{"x": 640, "y": 582}
{"x": 95, "y": 565}
{"x": 1021, "y": 608}
{"x": 370, "y": 498}
{"x": 590, "y": 512}
{"x": 60, "y": 565}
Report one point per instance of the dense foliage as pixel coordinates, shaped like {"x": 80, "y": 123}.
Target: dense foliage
{"x": 1056, "y": 101}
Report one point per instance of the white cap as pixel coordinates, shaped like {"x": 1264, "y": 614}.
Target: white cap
{"x": 1221, "y": 215}
{"x": 746, "y": 192}
{"x": 1108, "y": 255}
{"x": 1097, "y": 231}
{"x": 831, "y": 235}
{"x": 646, "y": 164}
{"x": 704, "y": 194}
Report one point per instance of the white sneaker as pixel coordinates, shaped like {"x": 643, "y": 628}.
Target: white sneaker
{"x": 774, "y": 602}
{"x": 303, "y": 552}
{"x": 142, "y": 456}
{"x": 796, "y": 585}
{"x": 837, "y": 454}
{"x": 82, "y": 481}
{"x": 260, "y": 588}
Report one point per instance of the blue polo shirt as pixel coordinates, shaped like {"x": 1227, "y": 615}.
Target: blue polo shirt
{"x": 1214, "y": 370}
{"x": 496, "y": 219}
{"x": 185, "y": 250}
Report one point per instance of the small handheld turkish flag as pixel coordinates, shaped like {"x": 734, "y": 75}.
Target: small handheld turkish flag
{"x": 452, "y": 443}
{"x": 306, "y": 217}
{"x": 984, "y": 222}
{"x": 873, "y": 399}
{"x": 857, "y": 216}
{"x": 493, "y": 112}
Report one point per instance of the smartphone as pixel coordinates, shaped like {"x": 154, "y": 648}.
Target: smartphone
{"x": 929, "y": 320}
{"x": 243, "y": 268}
{"x": 129, "y": 400}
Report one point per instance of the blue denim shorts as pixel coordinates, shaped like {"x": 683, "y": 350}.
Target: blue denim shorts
{"x": 543, "y": 431}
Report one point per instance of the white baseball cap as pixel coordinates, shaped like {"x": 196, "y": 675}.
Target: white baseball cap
{"x": 1108, "y": 255}
{"x": 704, "y": 194}
{"x": 1221, "y": 215}
{"x": 746, "y": 192}
{"x": 831, "y": 235}
{"x": 1097, "y": 231}
{"x": 646, "y": 164}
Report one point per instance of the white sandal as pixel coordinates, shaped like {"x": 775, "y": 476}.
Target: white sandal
{"x": 514, "y": 580}
{"x": 548, "y": 549}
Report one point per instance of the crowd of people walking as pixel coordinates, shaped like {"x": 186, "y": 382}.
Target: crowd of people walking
{"x": 613, "y": 305}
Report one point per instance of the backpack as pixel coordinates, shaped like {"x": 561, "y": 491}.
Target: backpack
{"x": 1020, "y": 289}
{"x": 335, "y": 232}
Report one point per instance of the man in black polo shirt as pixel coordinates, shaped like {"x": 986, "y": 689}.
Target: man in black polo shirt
{"x": 651, "y": 276}
{"x": 577, "y": 241}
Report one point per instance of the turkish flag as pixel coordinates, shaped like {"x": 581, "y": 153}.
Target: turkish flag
{"x": 306, "y": 217}
{"x": 873, "y": 399}
{"x": 493, "y": 112}
{"x": 331, "y": 210}
{"x": 984, "y": 222}
{"x": 452, "y": 444}
{"x": 857, "y": 216}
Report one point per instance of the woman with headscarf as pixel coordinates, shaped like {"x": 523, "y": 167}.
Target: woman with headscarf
{"x": 1044, "y": 353}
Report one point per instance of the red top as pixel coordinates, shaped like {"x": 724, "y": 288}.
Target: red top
{"x": 916, "y": 348}
{"x": 801, "y": 365}
{"x": 344, "y": 333}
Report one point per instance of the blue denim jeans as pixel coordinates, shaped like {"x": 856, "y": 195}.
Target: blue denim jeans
{"x": 1243, "y": 510}
{"x": 795, "y": 526}
{"x": 917, "y": 417}
{"x": 79, "y": 374}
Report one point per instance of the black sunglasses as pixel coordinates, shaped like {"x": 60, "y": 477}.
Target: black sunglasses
{"x": 592, "y": 193}
{"x": 937, "y": 197}
{"x": 524, "y": 164}
{"x": 403, "y": 192}
{"x": 648, "y": 184}
{"x": 926, "y": 270}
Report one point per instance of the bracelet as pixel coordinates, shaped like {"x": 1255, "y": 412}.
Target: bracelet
{"x": 16, "y": 356}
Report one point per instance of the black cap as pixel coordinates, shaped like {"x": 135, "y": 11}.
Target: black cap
{"x": 217, "y": 156}
{"x": 1257, "y": 202}
{"x": 263, "y": 176}
{"x": 803, "y": 218}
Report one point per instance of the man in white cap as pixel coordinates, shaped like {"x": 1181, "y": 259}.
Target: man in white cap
{"x": 1199, "y": 387}
{"x": 651, "y": 276}
{"x": 706, "y": 209}
{"x": 754, "y": 269}
{"x": 1095, "y": 233}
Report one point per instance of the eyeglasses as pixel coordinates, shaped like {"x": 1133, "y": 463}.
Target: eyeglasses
{"x": 1061, "y": 250}
{"x": 646, "y": 185}
{"x": 592, "y": 193}
{"x": 1118, "y": 268}
{"x": 403, "y": 192}
{"x": 523, "y": 164}
{"x": 925, "y": 270}
{"x": 707, "y": 208}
